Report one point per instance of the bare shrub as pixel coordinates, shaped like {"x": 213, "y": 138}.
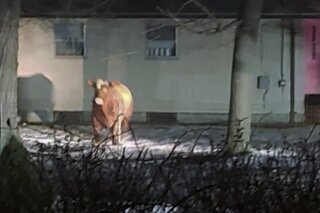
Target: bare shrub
{"x": 89, "y": 181}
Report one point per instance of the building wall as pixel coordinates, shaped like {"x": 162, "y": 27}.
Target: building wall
{"x": 196, "y": 82}
{"x": 46, "y": 82}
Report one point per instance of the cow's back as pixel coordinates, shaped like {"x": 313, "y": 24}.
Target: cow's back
{"x": 126, "y": 98}
{"x": 119, "y": 101}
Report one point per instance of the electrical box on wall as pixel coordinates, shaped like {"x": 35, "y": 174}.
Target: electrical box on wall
{"x": 282, "y": 83}
{"x": 263, "y": 82}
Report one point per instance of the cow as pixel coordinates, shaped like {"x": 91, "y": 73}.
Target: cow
{"x": 112, "y": 107}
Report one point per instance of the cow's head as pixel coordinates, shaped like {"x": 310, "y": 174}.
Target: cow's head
{"x": 100, "y": 90}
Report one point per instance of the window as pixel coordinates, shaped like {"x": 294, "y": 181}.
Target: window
{"x": 69, "y": 38}
{"x": 161, "y": 41}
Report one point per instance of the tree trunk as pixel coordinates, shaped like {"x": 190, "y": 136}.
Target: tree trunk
{"x": 242, "y": 81}
{"x": 9, "y": 21}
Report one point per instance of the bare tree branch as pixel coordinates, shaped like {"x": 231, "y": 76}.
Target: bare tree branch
{"x": 209, "y": 30}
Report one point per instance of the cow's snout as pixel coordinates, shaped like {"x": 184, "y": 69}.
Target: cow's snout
{"x": 99, "y": 101}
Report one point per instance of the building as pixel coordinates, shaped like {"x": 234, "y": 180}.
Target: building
{"x": 174, "y": 73}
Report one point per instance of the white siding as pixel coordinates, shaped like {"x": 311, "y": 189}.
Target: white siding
{"x": 197, "y": 81}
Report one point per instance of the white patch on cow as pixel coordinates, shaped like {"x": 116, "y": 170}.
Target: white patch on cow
{"x": 99, "y": 101}
{"x": 99, "y": 83}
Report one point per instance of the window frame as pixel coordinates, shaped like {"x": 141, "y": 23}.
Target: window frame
{"x": 84, "y": 31}
{"x": 176, "y": 42}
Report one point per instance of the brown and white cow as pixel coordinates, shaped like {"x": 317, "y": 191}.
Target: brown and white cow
{"x": 112, "y": 107}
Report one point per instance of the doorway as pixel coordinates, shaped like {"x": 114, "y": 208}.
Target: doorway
{"x": 312, "y": 108}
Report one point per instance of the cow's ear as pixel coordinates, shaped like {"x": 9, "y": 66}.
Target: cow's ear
{"x": 107, "y": 83}
{"x": 90, "y": 83}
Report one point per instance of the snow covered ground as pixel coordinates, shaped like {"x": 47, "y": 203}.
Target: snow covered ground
{"x": 160, "y": 139}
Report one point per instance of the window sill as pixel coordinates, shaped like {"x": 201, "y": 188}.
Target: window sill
{"x": 164, "y": 58}
{"x": 69, "y": 57}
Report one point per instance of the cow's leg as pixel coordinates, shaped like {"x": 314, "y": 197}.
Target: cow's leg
{"x": 125, "y": 125}
{"x": 116, "y": 130}
{"x": 96, "y": 127}
{"x": 116, "y": 136}
{"x": 120, "y": 119}
{"x": 127, "y": 128}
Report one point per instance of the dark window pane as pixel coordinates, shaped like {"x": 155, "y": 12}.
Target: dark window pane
{"x": 69, "y": 48}
{"x": 69, "y": 38}
{"x": 159, "y": 32}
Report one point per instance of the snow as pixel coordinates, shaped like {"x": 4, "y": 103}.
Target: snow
{"x": 156, "y": 209}
{"x": 159, "y": 140}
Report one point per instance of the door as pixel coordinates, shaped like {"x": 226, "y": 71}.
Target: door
{"x": 311, "y": 69}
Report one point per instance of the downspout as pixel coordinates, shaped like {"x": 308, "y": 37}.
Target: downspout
{"x": 292, "y": 72}
{"x": 282, "y": 81}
